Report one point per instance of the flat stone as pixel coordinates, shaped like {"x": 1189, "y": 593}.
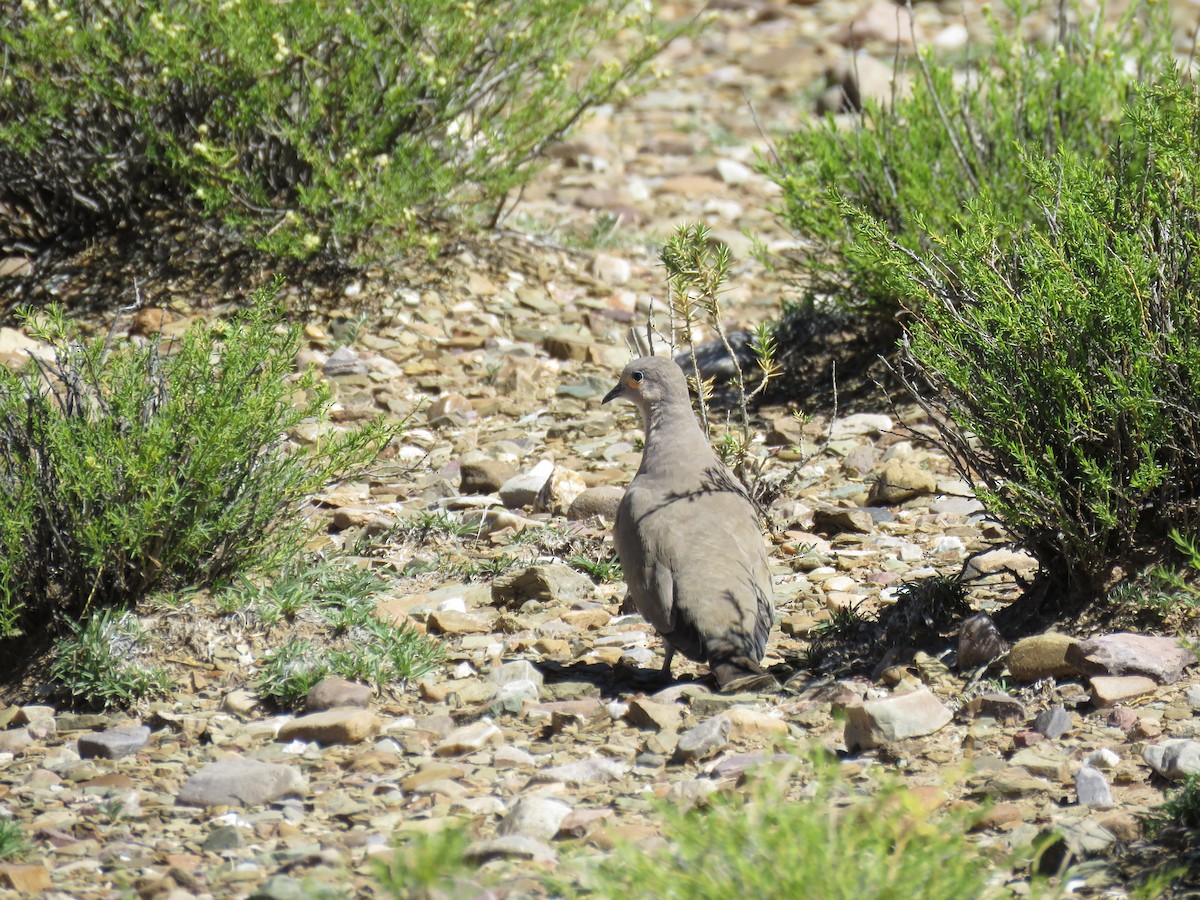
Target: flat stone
{"x": 747, "y": 724}
{"x": 1044, "y": 761}
{"x": 645, "y": 713}
{"x": 596, "y": 501}
{"x": 894, "y": 718}
{"x": 522, "y": 490}
{"x": 484, "y": 476}
{"x": 114, "y": 743}
{"x": 1041, "y": 656}
{"x": 469, "y": 738}
{"x": 238, "y": 781}
{"x": 1109, "y": 690}
{"x": 535, "y": 817}
{"x": 1175, "y": 759}
{"x": 520, "y": 670}
{"x": 900, "y": 482}
{"x": 594, "y": 770}
{"x": 453, "y": 621}
{"x": 1160, "y": 658}
{"x": 25, "y": 879}
{"x": 333, "y": 691}
{"x": 552, "y": 583}
{"x": 16, "y": 740}
{"x": 837, "y": 520}
{"x": 333, "y": 726}
{"x": 859, "y": 425}
{"x": 703, "y": 740}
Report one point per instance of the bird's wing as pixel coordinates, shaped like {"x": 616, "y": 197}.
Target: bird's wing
{"x": 646, "y": 552}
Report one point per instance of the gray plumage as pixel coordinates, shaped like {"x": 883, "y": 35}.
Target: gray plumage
{"x": 688, "y": 536}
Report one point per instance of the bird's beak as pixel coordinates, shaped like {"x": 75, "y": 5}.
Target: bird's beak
{"x": 614, "y": 393}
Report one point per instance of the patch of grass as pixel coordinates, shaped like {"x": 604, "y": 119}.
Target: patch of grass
{"x": 13, "y": 844}
{"x": 361, "y": 647}
{"x": 439, "y": 523}
{"x": 601, "y": 570}
{"x": 97, "y": 664}
{"x": 131, "y": 468}
{"x": 426, "y": 866}
{"x": 829, "y": 843}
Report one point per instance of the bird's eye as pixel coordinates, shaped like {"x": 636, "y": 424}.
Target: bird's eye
{"x": 636, "y": 377}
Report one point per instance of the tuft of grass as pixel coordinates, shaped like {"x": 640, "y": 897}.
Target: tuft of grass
{"x": 13, "y": 844}
{"x": 361, "y": 647}
{"x": 97, "y": 664}
{"x": 601, "y": 570}
{"x": 1181, "y": 811}
{"x": 426, "y": 866}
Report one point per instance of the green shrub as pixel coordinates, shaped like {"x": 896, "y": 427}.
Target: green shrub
{"x": 305, "y": 124}
{"x": 97, "y": 664}
{"x": 1064, "y": 363}
{"x": 914, "y": 163}
{"x": 13, "y": 844}
{"x": 127, "y": 468}
{"x": 1181, "y": 811}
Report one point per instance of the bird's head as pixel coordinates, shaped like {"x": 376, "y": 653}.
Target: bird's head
{"x": 648, "y": 381}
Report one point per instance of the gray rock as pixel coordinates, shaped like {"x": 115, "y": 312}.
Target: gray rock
{"x": 597, "y": 501}
{"x": 553, "y": 583}
{"x": 1160, "y": 658}
{"x": 1193, "y": 696}
{"x": 344, "y": 361}
{"x": 1175, "y": 759}
{"x": 15, "y": 740}
{"x": 1053, "y": 722}
{"x": 223, "y": 837}
{"x": 332, "y": 692}
{"x": 859, "y": 424}
{"x": 469, "y": 738}
{"x": 900, "y": 482}
{"x": 1004, "y": 709}
{"x": 703, "y": 740}
{"x": 535, "y": 817}
{"x": 894, "y": 718}
{"x": 241, "y": 782}
{"x": 1092, "y": 788}
{"x": 836, "y": 520}
{"x": 594, "y": 770}
{"x": 521, "y": 670}
{"x": 114, "y": 743}
{"x": 979, "y": 642}
{"x": 522, "y": 490}
{"x": 485, "y": 476}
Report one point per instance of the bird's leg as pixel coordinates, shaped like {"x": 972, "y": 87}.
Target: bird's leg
{"x": 666, "y": 669}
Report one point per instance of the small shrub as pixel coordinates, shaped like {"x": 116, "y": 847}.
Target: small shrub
{"x": 1063, "y": 363}
{"x": 304, "y": 125}
{"x": 915, "y": 163}
{"x": 97, "y": 664}
{"x": 125, "y": 468}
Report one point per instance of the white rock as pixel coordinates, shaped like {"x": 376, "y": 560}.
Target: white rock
{"x": 893, "y": 719}
{"x": 1174, "y": 759}
{"x": 1092, "y": 789}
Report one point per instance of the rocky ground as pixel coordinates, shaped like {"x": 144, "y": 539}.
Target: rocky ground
{"x": 546, "y": 728}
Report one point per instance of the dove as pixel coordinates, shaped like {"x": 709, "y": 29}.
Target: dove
{"x": 688, "y": 537}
